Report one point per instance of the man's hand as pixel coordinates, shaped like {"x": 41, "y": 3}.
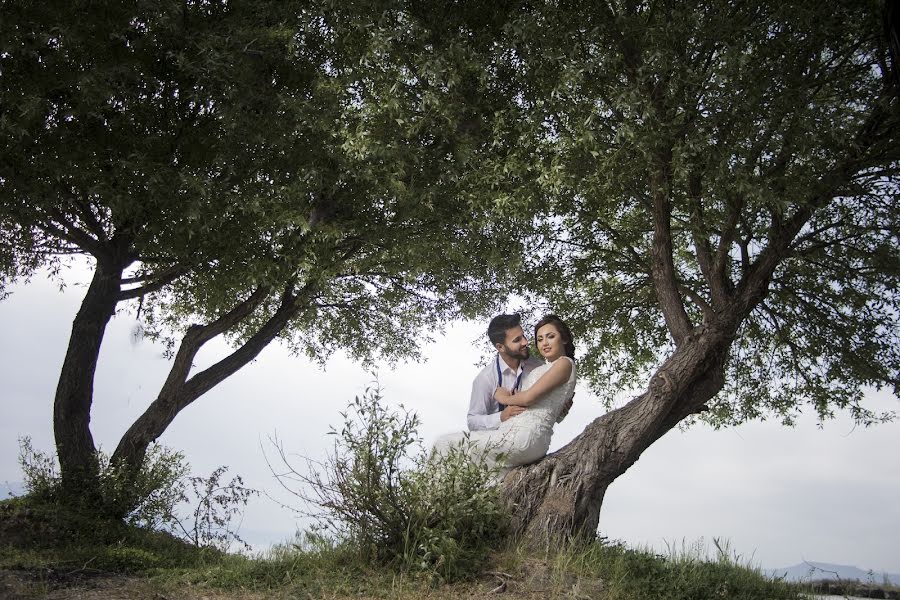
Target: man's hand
{"x": 511, "y": 411}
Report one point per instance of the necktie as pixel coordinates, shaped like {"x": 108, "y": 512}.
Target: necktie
{"x": 500, "y": 380}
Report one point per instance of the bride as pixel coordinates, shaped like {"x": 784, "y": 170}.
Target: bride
{"x": 526, "y": 437}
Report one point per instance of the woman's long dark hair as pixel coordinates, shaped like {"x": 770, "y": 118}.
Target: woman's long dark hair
{"x": 562, "y": 328}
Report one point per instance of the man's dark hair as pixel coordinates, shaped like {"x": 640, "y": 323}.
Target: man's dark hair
{"x": 500, "y": 324}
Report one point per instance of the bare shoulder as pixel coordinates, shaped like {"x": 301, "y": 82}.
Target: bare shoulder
{"x": 563, "y": 364}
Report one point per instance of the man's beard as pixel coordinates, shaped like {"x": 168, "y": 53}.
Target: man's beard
{"x": 522, "y": 355}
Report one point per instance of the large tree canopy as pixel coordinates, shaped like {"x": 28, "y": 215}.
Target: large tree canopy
{"x": 722, "y": 219}
{"x": 705, "y": 190}
{"x": 746, "y": 133}
{"x": 255, "y": 170}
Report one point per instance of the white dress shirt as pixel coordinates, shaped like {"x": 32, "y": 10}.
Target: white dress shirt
{"x": 484, "y": 413}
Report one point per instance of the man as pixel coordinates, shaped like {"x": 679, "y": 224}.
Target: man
{"x": 507, "y": 369}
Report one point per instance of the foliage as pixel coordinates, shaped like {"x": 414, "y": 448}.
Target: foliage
{"x": 380, "y": 494}
{"x": 145, "y": 498}
{"x": 640, "y": 573}
{"x": 755, "y": 138}
{"x": 152, "y": 498}
{"x": 80, "y": 541}
{"x": 314, "y": 567}
{"x": 301, "y": 170}
{"x": 286, "y": 145}
{"x": 599, "y": 569}
{"x": 457, "y": 513}
{"x": 39, "y": 472}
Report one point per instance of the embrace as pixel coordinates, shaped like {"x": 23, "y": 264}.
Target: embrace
{"x": 516, "y": 399}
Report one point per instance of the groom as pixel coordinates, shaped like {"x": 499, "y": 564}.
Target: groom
{"x": 507, "y": 369}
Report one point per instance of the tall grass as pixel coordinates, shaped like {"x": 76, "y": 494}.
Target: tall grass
{"x": 614, "y": 571}
{"x": 313, "y": 566}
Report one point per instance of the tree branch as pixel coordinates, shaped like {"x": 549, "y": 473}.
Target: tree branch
{"x": 205, "y": 380}
{"x": 702, "y": 248}
{"x": 197, "y": 335}
{"x": 87, "y": 215}
{"x": 163, "y": 279}
{"x": 754, "y": 283}
{"x": 68, "y": 232}
{"x": 707, "y": 309}
{"x": 662, "y": 265}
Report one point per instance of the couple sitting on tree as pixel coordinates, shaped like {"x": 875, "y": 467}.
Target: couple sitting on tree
{"x": 516, "y": 399}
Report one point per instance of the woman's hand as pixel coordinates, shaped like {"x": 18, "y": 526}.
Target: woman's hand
{"x": 501, "y": 394}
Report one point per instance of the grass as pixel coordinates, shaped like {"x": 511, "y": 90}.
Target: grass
{"x": 47, "y": 550}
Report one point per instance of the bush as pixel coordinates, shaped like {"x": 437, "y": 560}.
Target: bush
{"x": 145, "y": 498}
{"x": 215, "y": 505}
{"x": 149, "y": 498}
{"x": 456, "y": 515}
{"x": 39, "y": 472}
{"x": 381, "y": 494}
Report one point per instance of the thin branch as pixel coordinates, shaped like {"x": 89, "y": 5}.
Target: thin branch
{"x": 705, "y": 307}
{"x": 85, "y": 210}
{"x": 754, "y": 283}
{"x": 729, "y": 235}
{"x": 72, "y": 235}
{"x": 163, "y": 280}
{"x": 210, "y": 377}
{"x": 701, "y": 242}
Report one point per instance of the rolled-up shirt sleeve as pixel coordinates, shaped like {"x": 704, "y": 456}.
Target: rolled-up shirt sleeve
{"x": 483, "y": 410}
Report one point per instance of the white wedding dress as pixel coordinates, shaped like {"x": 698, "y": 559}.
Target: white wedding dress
{"x": 519, "y": 440}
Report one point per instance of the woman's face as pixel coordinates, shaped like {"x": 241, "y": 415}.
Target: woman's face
{"x": 549, "y": 342}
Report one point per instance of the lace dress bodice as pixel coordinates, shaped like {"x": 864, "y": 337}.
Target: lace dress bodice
{"x": 543, "y": 413}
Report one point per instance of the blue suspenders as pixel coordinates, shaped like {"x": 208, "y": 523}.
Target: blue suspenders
{"x": 500, "y": 379}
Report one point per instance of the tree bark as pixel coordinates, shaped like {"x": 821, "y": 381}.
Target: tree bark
{"x": 75, "y": 389}
{"x": 179, "y": 391}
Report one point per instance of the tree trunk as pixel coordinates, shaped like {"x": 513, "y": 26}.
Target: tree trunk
{"x": 179, "y": 391}
{"x": 559, "y": 498}
{"x": 75, "y": 389}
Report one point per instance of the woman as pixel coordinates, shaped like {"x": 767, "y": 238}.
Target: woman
{"x": 526, "y": 438}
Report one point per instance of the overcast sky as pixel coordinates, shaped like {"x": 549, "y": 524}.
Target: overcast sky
{"x": 779, "y": 496}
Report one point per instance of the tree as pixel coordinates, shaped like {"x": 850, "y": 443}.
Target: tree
{"x": 720, "y": 214}
{"x": 252, "y": 170}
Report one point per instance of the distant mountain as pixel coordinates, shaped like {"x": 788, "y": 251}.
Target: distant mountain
{"x": 11, "y": 488}
{"x": 815, "y": 571}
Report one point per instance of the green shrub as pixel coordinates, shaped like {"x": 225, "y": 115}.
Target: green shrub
{"x": 148, "y": 498}
{"x": 39, "y": 472}
{"x": 380, "y": 493}
{"x": 456, "y": 515}
{"x": 688, "y": 574}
